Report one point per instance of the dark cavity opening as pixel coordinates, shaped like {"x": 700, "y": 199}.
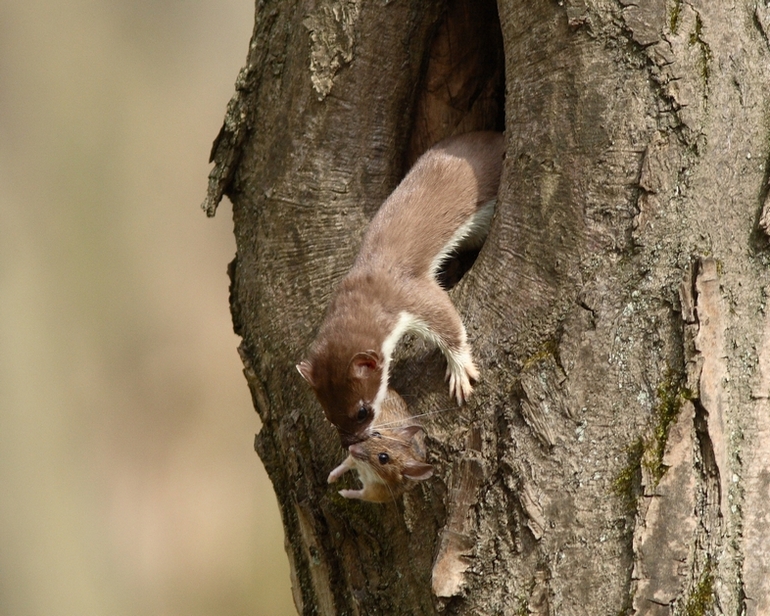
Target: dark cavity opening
{"x": 462, "y": 90}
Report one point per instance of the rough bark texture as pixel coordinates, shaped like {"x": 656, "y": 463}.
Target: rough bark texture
{"x": 615, "y": 457}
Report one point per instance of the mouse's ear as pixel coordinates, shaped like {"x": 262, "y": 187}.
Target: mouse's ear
{"x": 418, "y": 471}
{"x": 305, "y": 368}
{"x": 363, "y": 364}
{"x": 407, "y": 432}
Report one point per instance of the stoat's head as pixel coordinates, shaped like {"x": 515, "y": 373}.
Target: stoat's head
{"x": 347, "y": 393}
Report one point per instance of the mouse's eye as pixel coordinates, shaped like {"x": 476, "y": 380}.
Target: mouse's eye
{"x": 376, "y": 434}
{"x": 362, "y": 414}
{"x": 383, "y": 458}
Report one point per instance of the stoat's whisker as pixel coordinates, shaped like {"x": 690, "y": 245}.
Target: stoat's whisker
{"x": 396, "y": 422}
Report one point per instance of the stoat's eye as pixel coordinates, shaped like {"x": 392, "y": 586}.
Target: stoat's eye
{"x": 383, "y": 458}
{"x": 362, "y": 414}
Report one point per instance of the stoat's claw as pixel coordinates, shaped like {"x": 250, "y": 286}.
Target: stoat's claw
{"x": 460, "y": 376}
{"x": 472, "y": 371}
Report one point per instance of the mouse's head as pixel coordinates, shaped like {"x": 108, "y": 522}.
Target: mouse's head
{"x": 392, "y": 459}
{"x": 395, "y": 456}
{"x": 347, "y": 393}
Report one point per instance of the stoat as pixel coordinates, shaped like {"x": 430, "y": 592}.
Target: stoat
{"x": 445, "y": 201}
{"x": 392, "y": 460}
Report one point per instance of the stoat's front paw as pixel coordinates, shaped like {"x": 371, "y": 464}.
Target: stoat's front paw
{"x": 460, "y": 372}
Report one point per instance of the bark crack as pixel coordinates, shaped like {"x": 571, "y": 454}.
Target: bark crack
{"x": 707, "y": 369}
{"x": 458, "y": 538}
{"x": 332, "y": 33}
{"x": 239, "y": 118}
{"x": 680, "y": 516}
{"x": 756, "y": 471}
{"x": 544, "y": 397}
{"x": 678, "y": 61}
{"x": 764, "y": 201}
{"x": 762, "y": 20}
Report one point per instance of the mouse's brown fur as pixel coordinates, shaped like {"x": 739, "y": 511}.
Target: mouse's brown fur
{"x": 391, "y": 460}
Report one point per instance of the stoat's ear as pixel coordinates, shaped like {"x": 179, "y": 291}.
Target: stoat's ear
{"x": 418, "y": 471}
{"x": 364, "y": 363}
{"x": 305, "y": 368}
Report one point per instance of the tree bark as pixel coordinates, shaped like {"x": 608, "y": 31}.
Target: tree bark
{"x": 614, "y": 458}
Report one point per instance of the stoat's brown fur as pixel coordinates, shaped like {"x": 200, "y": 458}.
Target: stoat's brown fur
{"x": 445, "y": 201}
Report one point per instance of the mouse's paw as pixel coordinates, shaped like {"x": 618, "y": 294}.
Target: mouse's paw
{"x": 339, "y": 471}
{"x": 359, "y": 494}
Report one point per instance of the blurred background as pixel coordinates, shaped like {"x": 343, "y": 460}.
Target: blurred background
{"x": 128, "y": 480}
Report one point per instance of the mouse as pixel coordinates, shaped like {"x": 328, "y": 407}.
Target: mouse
{"x": 392, "y": 460}
{"x": 444, "y": 203}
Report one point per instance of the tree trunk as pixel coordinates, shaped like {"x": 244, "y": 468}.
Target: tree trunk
{"x": 614, "y": 458}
